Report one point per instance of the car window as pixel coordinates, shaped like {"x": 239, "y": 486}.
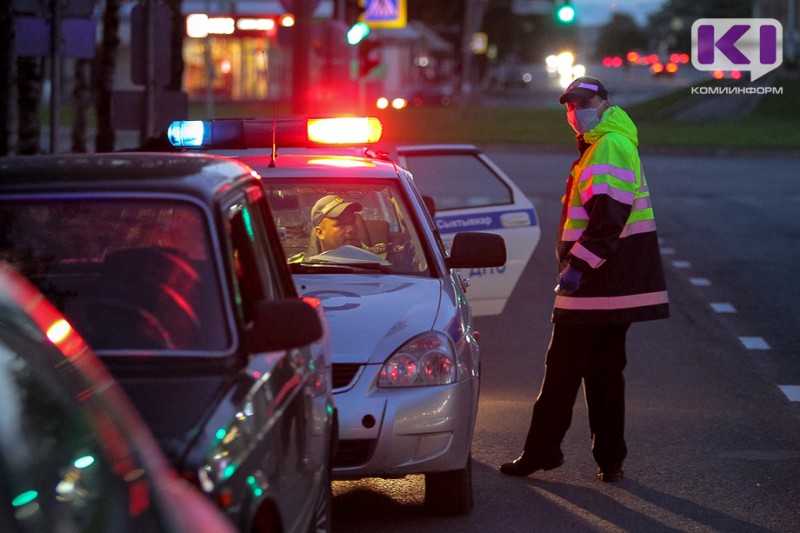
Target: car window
{"x": 128, "y": 274}
{"x": 457, "y": 181}
{"x": 54, "y": 461}
{"x": 386, "y": 227}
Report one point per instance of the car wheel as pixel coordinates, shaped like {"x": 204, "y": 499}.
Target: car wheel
{"x": 450, "y": 493}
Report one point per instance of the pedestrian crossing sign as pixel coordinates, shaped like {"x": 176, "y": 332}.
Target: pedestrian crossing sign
{"x": 385, "y": 13}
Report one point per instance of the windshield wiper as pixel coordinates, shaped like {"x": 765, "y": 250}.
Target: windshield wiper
{"x": 320, "y": 268}
{"x": 325, "y": 267}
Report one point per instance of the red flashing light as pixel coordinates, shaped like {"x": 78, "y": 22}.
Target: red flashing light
{"x": 736, "y": 74}
{"x": 616, "y": 62}
{"x": 344, "y": 130}
{"x": 607, "y": 62}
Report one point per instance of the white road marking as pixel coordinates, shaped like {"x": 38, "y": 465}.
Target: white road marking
{"x": 700, "y": 282}
{"x": 723, "y": 307}
{"x": 791, "y": 391}
{"x": 681, "y": 264}
{"x": 754, "y": 343}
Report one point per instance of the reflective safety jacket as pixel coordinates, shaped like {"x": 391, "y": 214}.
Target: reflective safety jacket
{"x": 608, "y": 232}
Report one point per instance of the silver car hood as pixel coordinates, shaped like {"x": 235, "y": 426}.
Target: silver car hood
{"x": 370, "y": 316}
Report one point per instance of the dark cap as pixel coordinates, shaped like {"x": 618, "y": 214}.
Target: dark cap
{"x": 583, "y": 88}
{"x": 331, "y": 206}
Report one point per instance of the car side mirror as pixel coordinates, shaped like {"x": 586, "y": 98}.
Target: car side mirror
{"x": 283, "y": 325}
{"x": 477, "y": 250}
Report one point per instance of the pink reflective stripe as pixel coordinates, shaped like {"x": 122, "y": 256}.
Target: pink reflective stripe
{"x": 640, "y": 226}
{"x": 581, "y": 252}
{"x": 577, "y": 213}
{"x": 572, "y": 234}
{"x": 604, "y": 188}
{"x": 611, "y": 302}
{"x": 642, "y": 203}
{"x": 624, "y": 174}
{"x": 588, "y": 86}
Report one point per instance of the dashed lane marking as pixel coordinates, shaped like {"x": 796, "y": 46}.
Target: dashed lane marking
{"x": 700, "y": 282}
{"x": 681, "y": 264}
{"x": 754, "y": 343}
{"x": 791, "y": 391}
{"x": 723, "y": 307}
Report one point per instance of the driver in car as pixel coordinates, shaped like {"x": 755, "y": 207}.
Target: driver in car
{"x": 335, "y": 224}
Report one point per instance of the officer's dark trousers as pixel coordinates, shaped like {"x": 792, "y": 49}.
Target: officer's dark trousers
{"x": 594, "y": 354}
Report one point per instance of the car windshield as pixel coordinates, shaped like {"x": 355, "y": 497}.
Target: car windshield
{"x": 327, "y": 227}
{"x": 133, "y": 274}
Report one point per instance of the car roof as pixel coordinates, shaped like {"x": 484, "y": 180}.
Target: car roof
{"x": 200, "y": 175}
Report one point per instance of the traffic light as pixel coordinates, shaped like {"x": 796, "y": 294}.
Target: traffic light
{"x": 357, "y": 33}
{"x": 368, "y": 57}
{"x": 565, "y": 13}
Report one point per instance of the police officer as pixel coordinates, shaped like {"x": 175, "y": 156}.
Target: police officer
{"x": 610, "y": 275}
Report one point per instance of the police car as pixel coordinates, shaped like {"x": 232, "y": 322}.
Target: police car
{"x": 169, "y": 265}
{"x": 470, "y": 192}
{"x": 406, "y": 356}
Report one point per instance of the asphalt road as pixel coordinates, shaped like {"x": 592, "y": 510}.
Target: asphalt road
{"x": 713, "y": 436}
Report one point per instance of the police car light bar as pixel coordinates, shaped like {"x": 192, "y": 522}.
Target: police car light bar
{"x": 286, "y": 132}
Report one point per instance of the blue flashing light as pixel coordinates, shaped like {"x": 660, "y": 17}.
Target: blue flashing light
{"x": 187, "y": 133}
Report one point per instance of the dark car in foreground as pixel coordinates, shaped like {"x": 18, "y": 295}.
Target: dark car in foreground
{"x": 74, "y": 453}
{"x": 170, "y": 266}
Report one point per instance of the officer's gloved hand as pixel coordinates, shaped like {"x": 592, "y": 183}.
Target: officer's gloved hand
{"x": 569, "y": 279}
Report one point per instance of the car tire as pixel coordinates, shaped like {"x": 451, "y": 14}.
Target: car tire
{"x": 450, "y": 493}
{"x": 323, "y": 509}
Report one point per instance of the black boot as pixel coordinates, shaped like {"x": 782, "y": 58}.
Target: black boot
{"x": 525, "y": 465}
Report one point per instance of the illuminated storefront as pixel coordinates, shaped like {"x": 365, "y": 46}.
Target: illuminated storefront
{"x": 236, "y": 57}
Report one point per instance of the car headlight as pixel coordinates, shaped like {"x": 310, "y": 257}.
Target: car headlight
{"x": 426, "y": 360}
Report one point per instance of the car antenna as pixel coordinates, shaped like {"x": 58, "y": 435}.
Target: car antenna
{"x": 274, "y": 146}
{"x": 274, "y": 154}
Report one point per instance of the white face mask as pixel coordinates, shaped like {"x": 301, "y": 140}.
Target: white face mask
{"x": 583, "y": 120}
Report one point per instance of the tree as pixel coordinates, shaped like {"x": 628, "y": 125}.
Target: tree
{"x": 620, "y": 35}
{"x": 672, "y": 24}
{"x": 105, "y": 63}
{"x": 6, "y": 76}
{"x": 81, "y": 103}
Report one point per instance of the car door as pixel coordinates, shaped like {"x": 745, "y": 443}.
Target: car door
{"x": 286, "y": 441}
{"x": 471, "y": 193}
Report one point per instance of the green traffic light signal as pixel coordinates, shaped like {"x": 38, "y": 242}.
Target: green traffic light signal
{"x": 565, "y": 14}
{"x": 357, "y": 33}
